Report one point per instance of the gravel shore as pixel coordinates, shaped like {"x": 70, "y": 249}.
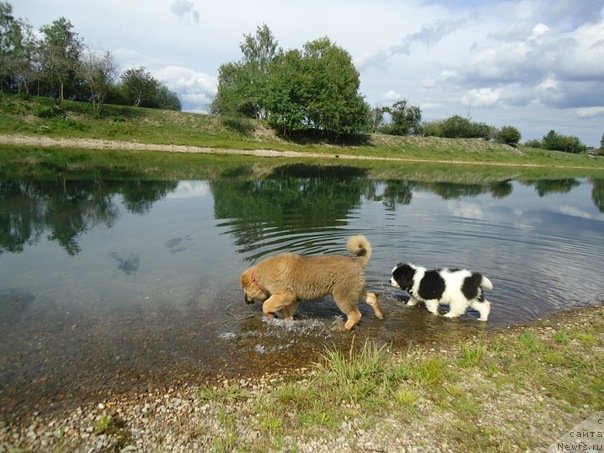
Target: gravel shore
{"x": 180, "y": 420}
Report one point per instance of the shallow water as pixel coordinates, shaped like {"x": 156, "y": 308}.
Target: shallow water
{"x": 109, "y": 286}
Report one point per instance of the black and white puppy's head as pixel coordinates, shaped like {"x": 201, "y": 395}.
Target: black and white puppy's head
{"x": 403, "y": 275}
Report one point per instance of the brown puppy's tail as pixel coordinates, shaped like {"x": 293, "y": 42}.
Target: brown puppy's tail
{"x": 360, "y": 246}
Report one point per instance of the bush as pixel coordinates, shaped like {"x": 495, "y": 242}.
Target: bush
{"x": 569, "y": 144}
{"x": 509, "y": 135}
{"x": 459, "y": 127}
{"x": 534, "y": 144}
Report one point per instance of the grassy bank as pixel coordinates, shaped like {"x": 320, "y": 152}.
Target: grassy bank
{"x": 516, "y": 389}
{"x": 35, "y": 117}
{"x": 17, "y": 162}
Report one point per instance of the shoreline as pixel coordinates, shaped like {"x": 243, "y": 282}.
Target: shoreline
{"x": 102, "y": 144}
{"x": 178, "y": 418}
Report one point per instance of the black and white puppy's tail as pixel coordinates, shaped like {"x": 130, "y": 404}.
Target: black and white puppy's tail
{"x": 485, "y": 283}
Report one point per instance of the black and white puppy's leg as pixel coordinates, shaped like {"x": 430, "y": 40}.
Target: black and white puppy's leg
{"x": 432, "y": 306}
{"x": 412, "y": 301}
{"x": 483, "y": 308}
{"x": 455, "y": 310}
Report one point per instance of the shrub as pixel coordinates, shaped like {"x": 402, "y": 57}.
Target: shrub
{"x": 509, "y": 135}
{"x": 557, "y": 142}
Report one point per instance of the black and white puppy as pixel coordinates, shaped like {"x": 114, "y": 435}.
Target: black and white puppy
{"x": 458, "y": 288}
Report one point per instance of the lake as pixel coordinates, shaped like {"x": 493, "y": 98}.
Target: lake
{"x": 109, "y": 286}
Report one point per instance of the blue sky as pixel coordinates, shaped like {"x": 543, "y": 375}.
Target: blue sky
{"x": 533, "y": 64}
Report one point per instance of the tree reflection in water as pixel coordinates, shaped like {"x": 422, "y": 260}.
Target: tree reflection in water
{"x": 292, "y": 200}
{"x": 66, "y": 209}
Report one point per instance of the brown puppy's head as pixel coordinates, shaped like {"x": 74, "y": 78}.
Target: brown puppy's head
{"x": 252, "y": 290}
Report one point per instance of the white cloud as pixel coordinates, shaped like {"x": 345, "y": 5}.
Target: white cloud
{"x": 589, "y": 112}
{"x": 391, "y": 97}
{"x": 482, "y": 97}
{"x": 431, "y": 106}
{"x": 372, "y": 59}
{"x": 195, "y": 89}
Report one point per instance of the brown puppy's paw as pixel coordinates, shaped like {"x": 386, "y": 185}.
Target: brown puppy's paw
{"x": 372, "y": 300}
{"x": 338, "y": 325}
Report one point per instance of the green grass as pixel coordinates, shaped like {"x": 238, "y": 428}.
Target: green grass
{"x": 419, "y": 157}
{"x": 369, "y": 387}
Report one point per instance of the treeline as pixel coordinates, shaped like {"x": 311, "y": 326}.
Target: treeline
{"x": 60, "y": 65}
{"x": 406, "y": 120}
{"x": 315, "y": 91}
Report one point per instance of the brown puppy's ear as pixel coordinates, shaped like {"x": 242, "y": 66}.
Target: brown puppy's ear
{"x": 245, "y": 279}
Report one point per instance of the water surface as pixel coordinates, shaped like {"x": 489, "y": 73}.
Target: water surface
{"x": 109, "y": 286}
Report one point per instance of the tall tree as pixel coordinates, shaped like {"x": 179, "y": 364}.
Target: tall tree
{"x": 317, "y": 90}
{"x": 166, "y": 99}
{"x": 138, "y": 86}
{"x": 260, "y": 50}
{"x": 242, "y": 85}
{"x": 17, "y": 51}
{"x": 60, "y": 55}
{"x": 289, "y": 93}
{"x": 99, "y": 71}
{"x": 406, "y": 119}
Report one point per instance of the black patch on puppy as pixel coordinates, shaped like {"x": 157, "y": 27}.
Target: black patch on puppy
{"x": 471, "y": 287}
{"x": 432, "y": 286}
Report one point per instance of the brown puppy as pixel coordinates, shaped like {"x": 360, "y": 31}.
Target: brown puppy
{"x": 282, "y": 281}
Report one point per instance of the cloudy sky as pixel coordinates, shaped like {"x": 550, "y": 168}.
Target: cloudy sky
{"x": 533, "y": 64}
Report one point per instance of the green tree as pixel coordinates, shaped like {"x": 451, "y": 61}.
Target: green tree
{"x": 166, "y": 99}
{"x": 557, "y": 142}
{"x": 60, "y": 55}
{"x": 316, "y": 90}
{"x": 288, "y": 96}
{"x": 138, "y": 87}
{"x": 260, "y": 50}
{"x": 459, "y": 127}
{"x": 99, "y": 71}
{"x": 376, "y": 118}
{"x": 242, "y": 85}
{"x": 509, "y": 135}
{"x": 406, "y": 119}
{"x": 17, "y": 51}
{"x": 534, "y": 144}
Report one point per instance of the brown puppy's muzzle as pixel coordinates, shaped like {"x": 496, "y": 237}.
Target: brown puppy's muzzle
{"x": 248, "y": 300}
